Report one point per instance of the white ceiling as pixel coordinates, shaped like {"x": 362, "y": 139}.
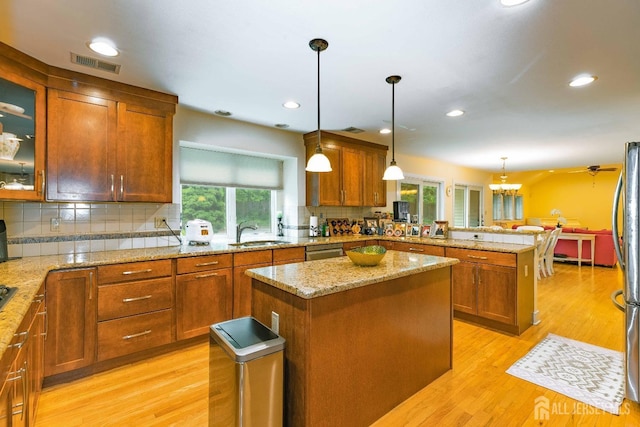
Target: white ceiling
{"x": 508, "y": 68}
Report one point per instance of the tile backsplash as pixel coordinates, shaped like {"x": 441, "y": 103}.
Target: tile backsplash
{"x": 85, "y": 227}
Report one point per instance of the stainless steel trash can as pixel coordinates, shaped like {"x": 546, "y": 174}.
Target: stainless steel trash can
{"x": 245, "y": 374}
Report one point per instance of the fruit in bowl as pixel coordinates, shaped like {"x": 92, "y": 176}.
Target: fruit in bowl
{"x": 367, "y": 255}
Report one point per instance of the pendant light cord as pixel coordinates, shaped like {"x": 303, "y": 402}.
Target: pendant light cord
{"x": 318, "y": 145}
{"x": 393, "y": 123}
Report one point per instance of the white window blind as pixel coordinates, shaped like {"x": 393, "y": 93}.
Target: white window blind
{"x": 201, "y": 166}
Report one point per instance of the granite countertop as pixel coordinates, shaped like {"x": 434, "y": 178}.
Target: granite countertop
{"x": 328, "y": 276}
{"x": 29, "y": 273}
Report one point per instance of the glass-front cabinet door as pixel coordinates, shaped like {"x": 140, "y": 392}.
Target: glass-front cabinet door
{"x": 22, "y": 133}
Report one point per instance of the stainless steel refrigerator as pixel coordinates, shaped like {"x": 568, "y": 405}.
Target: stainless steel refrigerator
{"x": 627, "y": 197}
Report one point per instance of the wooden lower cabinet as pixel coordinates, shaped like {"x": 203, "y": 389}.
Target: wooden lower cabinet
{"x": 493, "y": 289}
{"x": 204, "y": 293}
{"x": 242, "y": 262}
{"x": 71, "y": 298}
{"x": 22, "y": 368}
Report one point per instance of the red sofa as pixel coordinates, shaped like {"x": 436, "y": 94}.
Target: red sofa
{"x": 605, "y": 253}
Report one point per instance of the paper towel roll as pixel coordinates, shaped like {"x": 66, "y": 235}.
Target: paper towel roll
{"x": 313, "y": 226}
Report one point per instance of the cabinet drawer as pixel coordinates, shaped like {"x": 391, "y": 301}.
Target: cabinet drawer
{"x": 133, "y": 271}
{"x": 288, "y": 254}
{"x": 482, "y": 257}
{"x": 126, "y": 299}
{"x": 135, "y": 333}
{"x": 202, "y": 263}
{"x": 419, "y": 248}
{"x": 251, "y": 258}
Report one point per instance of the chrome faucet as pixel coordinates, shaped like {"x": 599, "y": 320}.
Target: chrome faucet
{"x": 240, "y": 229}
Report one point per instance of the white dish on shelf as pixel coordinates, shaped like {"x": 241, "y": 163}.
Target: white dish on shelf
{"x": 11, "y": 108}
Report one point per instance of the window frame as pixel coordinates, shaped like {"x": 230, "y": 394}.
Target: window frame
{"x": 420, "y": 181}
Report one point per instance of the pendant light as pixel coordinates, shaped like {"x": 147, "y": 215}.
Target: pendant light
{"x": 318, "y": 162}
{"x": 504, "y": 187}
{"x": 393, "y": 172}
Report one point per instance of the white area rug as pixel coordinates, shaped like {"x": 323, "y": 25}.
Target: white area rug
{"x": 585, "y": 372}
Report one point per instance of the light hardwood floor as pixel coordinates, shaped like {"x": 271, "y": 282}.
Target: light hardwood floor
{"x": 171, "y": 390}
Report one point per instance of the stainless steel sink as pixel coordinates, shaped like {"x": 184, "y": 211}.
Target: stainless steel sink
{"x": 253, "y": 243}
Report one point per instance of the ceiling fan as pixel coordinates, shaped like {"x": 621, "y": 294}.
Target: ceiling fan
{"x": 594, "y": 169}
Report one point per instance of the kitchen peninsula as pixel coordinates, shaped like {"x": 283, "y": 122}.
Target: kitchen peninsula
{"x": 360, "y": 340}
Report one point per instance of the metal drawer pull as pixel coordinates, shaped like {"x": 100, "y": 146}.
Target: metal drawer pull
{"x": 139, "y": 334}
{"x": 477, "y": 257}
{"x": 204, "y": 276}
{"x": 136, "y": 298}
{"x": 24, "y": 336}
{"x": 126, "y": 273}
{"x": 416, "y": 249}
{"x": 204, "y": 264}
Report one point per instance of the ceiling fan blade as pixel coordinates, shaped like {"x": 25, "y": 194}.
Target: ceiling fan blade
{"x": 580, "y": 171}
{"x": 607, "y": 169}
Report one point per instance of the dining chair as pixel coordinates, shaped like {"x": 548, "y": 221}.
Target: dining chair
{"x": 542, "y": 242}
{"x": 548, "y": 254}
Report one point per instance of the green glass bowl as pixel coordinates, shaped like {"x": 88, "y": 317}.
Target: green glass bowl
{"x": 367, "y": 255}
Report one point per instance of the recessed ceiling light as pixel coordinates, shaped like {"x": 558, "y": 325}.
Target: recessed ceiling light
{"x": 222, "y": 113}
{"x": 291, "y": 105}
{"x": 582, "y": 81}
{"x": 455, "y": 113}
{"x": 281, "y": 125}
{"x": 510, "y": 3}
{"x": 103, "y": 47}
{"x": 385, "y": 131}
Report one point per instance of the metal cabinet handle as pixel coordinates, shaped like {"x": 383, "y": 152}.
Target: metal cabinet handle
{"x": 204, "y": 276}
{"x": 477, "y": 257}
{"x": 136, "y": 298}
{"x": 24, "y": 335}
{"x": 46, "y": 322}
{"x": 113, "y": 189}
{"x": 416, "y": 249}
{"x": 90, "y": 285}
{"x": 121, "y": 187}
{"x": 139, "y": 334}
{"x": 204, "y": 264}
{"x": 20, "y": 374}
{"x": 126, "y": 273}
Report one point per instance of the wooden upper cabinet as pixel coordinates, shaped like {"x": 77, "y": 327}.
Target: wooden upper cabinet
{"x": 375, "y": 189}
{"x": 145, "y": 152}
{"x": 107, "y": 150}
{"x": 356, "y": 178}
{"x": 22, "y": 84}
{"x": 81, "y": 155}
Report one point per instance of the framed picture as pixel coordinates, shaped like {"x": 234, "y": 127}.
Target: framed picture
{"x": 370, "y": 226}
{"x": 388, "y": 227}
{"x": 399, "y": 229}
{"x": 415, "y": 230}
{"x": 439, "y": 229}
{"x": 425, "y": 230}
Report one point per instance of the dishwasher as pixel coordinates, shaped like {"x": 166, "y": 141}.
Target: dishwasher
{"x": 323, "y": 251}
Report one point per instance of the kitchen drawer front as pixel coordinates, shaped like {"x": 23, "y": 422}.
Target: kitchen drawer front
{"x": 127, "y": 299}
{"x": 133, "y": 271}
{"x": 482, "y": 257}
{"x": 419, "y": 248}
{"x": 135, "y": 333}
{"x": 288, "y": 254}
{"x": 203, "y": 263}
{"x": 251, "y": 258}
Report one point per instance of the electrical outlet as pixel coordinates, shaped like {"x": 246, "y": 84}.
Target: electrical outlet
{"x": 55, "y": 224}
{"x": 275, "y": 322}
{"x": 478, "y": 237}
{"x": 160, "y": 221}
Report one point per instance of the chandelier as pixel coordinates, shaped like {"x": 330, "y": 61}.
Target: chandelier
{"x": 503, "y": 187}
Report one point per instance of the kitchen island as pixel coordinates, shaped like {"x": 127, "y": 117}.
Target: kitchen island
{"x": 359, "y": 340}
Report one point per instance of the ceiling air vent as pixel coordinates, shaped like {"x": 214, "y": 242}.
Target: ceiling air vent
{"x": 352, "y": 130}
{"x": 98, "y": 64}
